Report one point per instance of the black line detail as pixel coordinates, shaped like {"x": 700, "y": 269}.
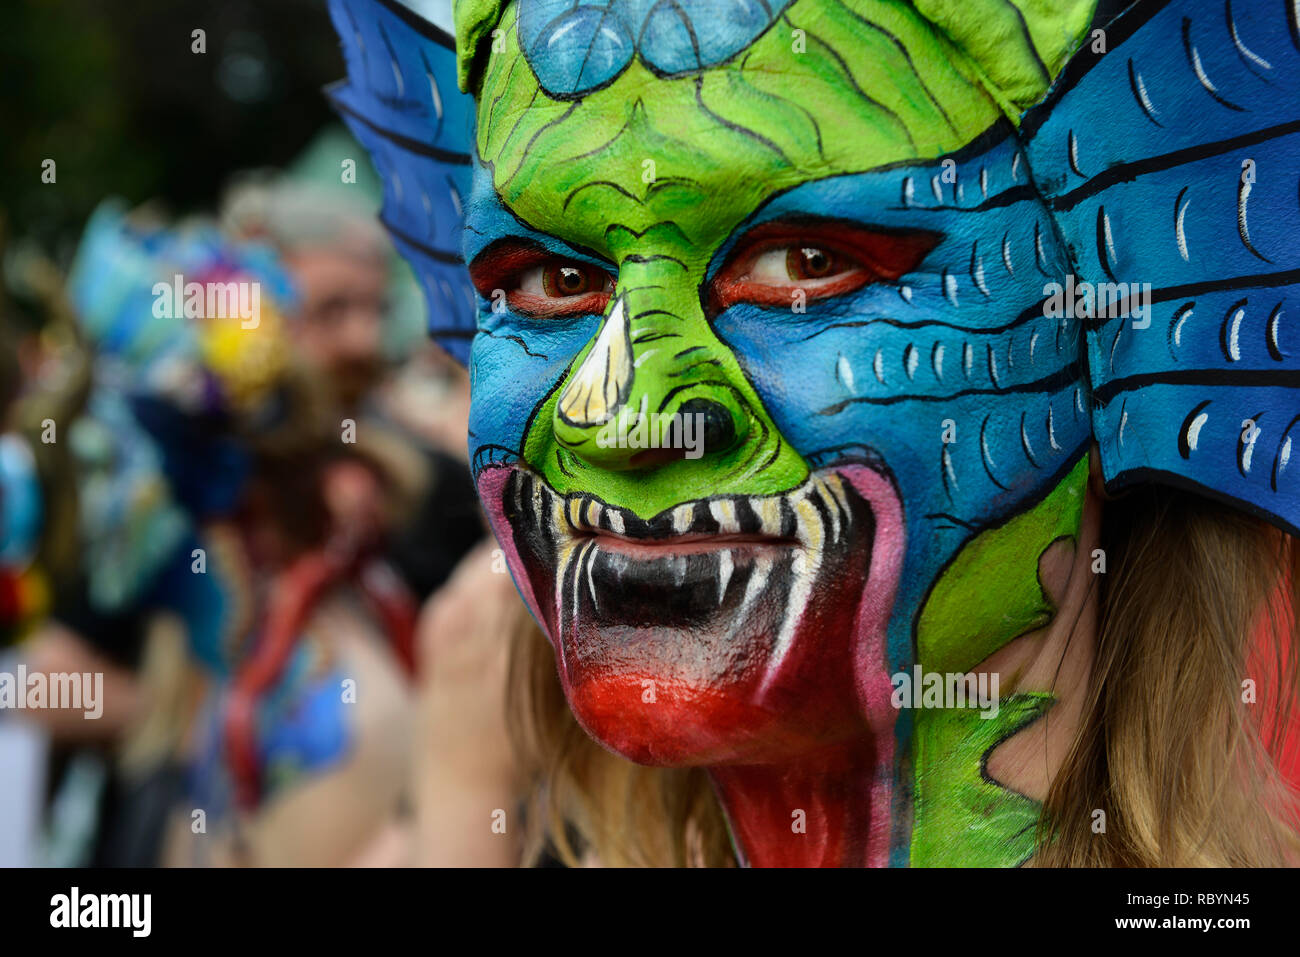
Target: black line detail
{"x": 1128, "y": 172}
{"x": 1184, "y": 431}
{"x": 439, "y": 255}
{"x": 1253, "y": 378}
{"x": 451, "y": 157}
{"x": 1049, "y": 383}
{"x": 1137, "y": 95}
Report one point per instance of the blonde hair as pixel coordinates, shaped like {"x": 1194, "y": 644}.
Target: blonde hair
{"x": 1197, "y": 600}
{"x": 1197, "y": 610}
{"x": 585, "y": 804}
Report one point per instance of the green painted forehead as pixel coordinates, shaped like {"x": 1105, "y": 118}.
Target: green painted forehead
{"x": 827, "y": 88}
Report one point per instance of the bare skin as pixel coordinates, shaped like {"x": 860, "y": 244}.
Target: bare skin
{"x": 464, "y": 767}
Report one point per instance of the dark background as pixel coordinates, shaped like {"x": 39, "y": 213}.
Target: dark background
{"x": 111, "y": 91}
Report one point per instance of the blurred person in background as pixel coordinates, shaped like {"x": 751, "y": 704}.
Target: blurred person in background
{"x": 342, "y": 266}
{"x": 464, "y": 769}
{"x": 226, "y": 566}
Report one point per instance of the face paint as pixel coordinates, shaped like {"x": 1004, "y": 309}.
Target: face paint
{"x": 793, "y": 266}
{"x": 815, "y": 231}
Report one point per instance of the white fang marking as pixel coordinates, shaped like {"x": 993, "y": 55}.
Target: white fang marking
{"x": 828, "y": 502}
{"x": 1234, "y": 345}
{"x": 682, "y": 518}
{"x": 757, "y": 579}
{"x": 435, "y": 95}
{"x": 1241, "y": 47}
{"x": 768, "y": 510}
{"x": 836, "y": 486}
{"x": 1236, "y": 40}
{"x": 1194, "y": 430}
{"x": 1178, "y": 329}
{"x": 1178, "y": 229}
{"x": 845, "y": 372}
{"x": 723, "y": 511}
{"x": 599, "y": 386}
{"x": 1142, "y": 95}
{"x": 1248, "y": 453}
{"x": 947, "y": 464}
{"x": 979, "y": 276}
{"x": 591, "y": 585}
{"x": 1110, "y": 242}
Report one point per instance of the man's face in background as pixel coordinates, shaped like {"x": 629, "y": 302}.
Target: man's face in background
{"x": 343, "y": 300}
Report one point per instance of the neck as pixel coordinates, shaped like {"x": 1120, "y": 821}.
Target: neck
{"x": 964, "y": 789}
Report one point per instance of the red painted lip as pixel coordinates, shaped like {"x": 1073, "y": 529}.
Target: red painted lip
{"x": 685, "y": 544}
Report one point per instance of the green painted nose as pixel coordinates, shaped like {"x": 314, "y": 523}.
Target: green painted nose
{"x": 630, "y": 406}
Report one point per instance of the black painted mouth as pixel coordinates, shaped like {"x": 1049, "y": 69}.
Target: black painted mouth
{"x": 703, "y": 588}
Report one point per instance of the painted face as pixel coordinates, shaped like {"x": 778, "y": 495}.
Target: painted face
{"x": 789, "y": 341}
{"x": 761, "y": 380}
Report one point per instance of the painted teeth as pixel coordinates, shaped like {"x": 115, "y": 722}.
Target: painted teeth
{"x": 683, "y": 518}
{"x": 768, "y": 511}
{"x": 818, "y": 516}
{"x": 724, "y": 513}
{"x": 815, "y": 514}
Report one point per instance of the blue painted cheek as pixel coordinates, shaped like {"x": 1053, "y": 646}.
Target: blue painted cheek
{"x": 961, "y": 341}
{"x": 515, "y": 363}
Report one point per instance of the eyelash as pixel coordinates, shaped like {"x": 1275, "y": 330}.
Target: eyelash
{"x": 511, "y": 269}
{"x": 846, "y": 258}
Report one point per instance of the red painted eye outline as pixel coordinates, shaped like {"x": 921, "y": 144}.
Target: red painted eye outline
{"x": 538, "y": 283}
{"x": 821, "y": 258}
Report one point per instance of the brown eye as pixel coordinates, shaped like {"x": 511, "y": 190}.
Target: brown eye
{"x": 570, "y": 280}
{"x": 776, "y": 263}
{"x": 810, "y": 262}
{"x": 541, "y": 285}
